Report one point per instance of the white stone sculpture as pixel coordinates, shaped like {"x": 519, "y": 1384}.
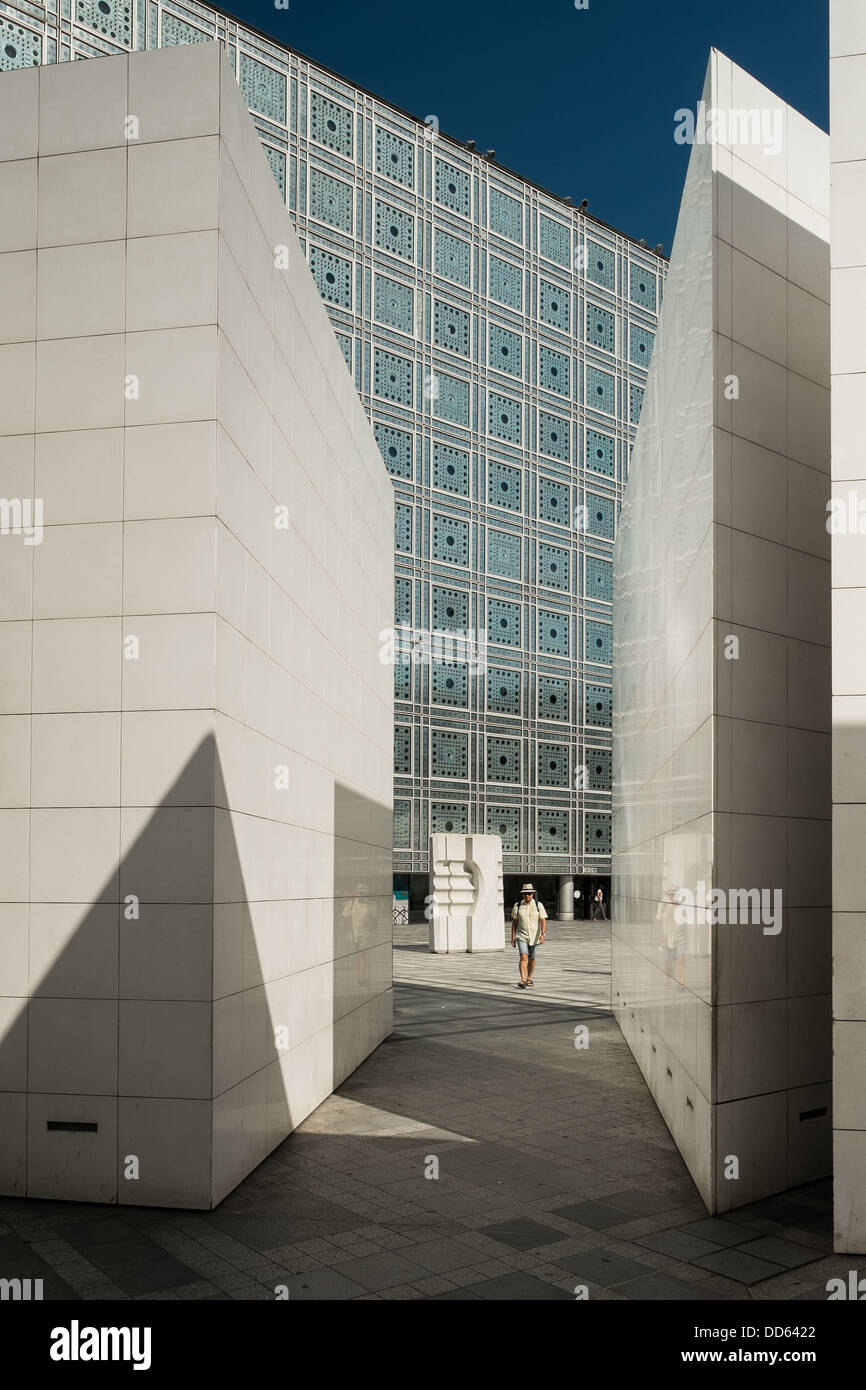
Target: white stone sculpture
{"x": 465, "y": 907}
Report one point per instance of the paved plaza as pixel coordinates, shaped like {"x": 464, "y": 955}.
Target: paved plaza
{"x": 555, "y": 1172}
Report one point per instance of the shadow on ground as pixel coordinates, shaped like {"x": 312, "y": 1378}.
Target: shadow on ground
{"x": 478, "y": 1154}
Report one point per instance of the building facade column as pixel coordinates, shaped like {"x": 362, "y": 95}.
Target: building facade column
{"x": 565, "y": 904}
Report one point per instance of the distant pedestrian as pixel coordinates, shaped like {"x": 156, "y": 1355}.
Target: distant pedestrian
{"x": 528, "y": 923}
{"x": 598, "y": 912}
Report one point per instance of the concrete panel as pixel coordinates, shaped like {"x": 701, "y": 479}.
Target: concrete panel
{"x": 197, "y": 733}
{"x": 721, "y": 605}
{"x": 848, "y": 402}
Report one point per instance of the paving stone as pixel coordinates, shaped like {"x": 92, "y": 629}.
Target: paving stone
{"x": 735, "y": 1264}
{"x": 596, "y": 1215}
{"x": 784, "y": 1209}
{"x": 779, "y": 1252}
{"x": 537, "y": 1158}
{"x": 786, "y": 1287}
{"x": 603, "y": 1267}
{"x": 104, "y": 1231}
{"x": 470, "y": 1155}
{"x": 719, "y": 1230}
{"x": 489, "y": 1269}
{"x": 193, "y": 1292}
{"x": 483, "y": 1175}
{"x": 378, "y": 1272}
{"x": 529, "y": 1189}
{"x": 817, "y": 1238}
{"x": 443, "y": 1255}
{"x": 436, "y": 1283}
{"x": 522, "y": 1233}
{"x": 321, "y": 1284}
{"x": 638, "y": 1202}
{"x": 679, "y": 1245}
{"x": 264, "y": 1229}
{"x": 12, "y": 1248}
{"x": 147, "y": 1276}
{"x": 357, "y": 1248}
{"x": 73, "y": 1268}
{"x": 664, "y": 1288}
{"x": 518, "y": 1287}
{"x": 229, "y": 1282}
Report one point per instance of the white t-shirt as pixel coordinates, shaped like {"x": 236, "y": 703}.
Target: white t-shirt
{"x": 529, "y": 918}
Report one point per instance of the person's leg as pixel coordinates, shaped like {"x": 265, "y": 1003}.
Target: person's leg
{"x": 522, "y": 959}
{"x": 531, "y": 964}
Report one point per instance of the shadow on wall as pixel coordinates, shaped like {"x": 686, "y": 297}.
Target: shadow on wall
{"x": 362, "y": 932}
{"x": 176, "y": 1031}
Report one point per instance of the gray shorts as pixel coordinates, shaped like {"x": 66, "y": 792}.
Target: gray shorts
{"x": 524, "y": 948}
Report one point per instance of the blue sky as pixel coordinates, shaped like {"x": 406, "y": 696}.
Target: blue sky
{"x": 580, "y": 101}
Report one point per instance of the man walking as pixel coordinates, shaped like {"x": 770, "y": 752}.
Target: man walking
{"x": 528, "y": 923}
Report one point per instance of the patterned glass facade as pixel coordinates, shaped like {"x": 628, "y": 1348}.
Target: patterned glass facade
{"x": 499, "y": 340}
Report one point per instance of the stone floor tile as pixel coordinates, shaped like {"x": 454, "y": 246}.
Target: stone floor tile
{"x": 602, "y": 1267}
{"x": 597, "y": 1216}
{"x": 735, "y": 1264}
{"x": 435, "y": 1284}
{"x": 663, "y": 1288}
{"x": 518, "y": 1287}
{"x": 521, "y": 1233}
{"x": 679, "y": 1245}
{"x": 721, "y": 1230}
{"x": 779, "y": 1251}
{"x": 576, "y": 1158}
{"x": 380, "y": 1272}
{"x": 637, "y": 1202}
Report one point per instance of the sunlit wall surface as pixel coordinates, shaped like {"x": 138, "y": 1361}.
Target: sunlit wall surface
{"x": 504, "y": 383}
{"x": 848, "y": 178}
{"x": 195, "y": 809}
{"x": 721, "y": 690}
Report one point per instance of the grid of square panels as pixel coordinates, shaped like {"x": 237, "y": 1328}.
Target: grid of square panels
{"x": 500, "y": 342}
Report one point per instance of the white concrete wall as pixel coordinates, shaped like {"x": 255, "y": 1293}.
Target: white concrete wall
{"x": 772, "y": 790}
{"x": 663, "y": 753}
{"x": 848, "y": 279}
{"x": 298, "y": 685}
{"x": 720, "y": 765}
{"x": 163, "y": 388}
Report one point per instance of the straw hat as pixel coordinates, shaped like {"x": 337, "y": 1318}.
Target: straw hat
{"x": 527, "y": 888}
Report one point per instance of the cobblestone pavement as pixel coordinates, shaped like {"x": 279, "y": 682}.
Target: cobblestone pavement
{"x": 554, "y": 1170}
{"x": 572, "y": 967}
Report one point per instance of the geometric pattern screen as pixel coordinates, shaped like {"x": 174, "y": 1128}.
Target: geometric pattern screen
{"x": 499, "y": 341}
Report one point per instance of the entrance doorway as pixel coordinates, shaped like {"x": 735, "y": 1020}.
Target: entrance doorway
{"x": 545, "y": 885}
{"x": 589, "y": 884}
